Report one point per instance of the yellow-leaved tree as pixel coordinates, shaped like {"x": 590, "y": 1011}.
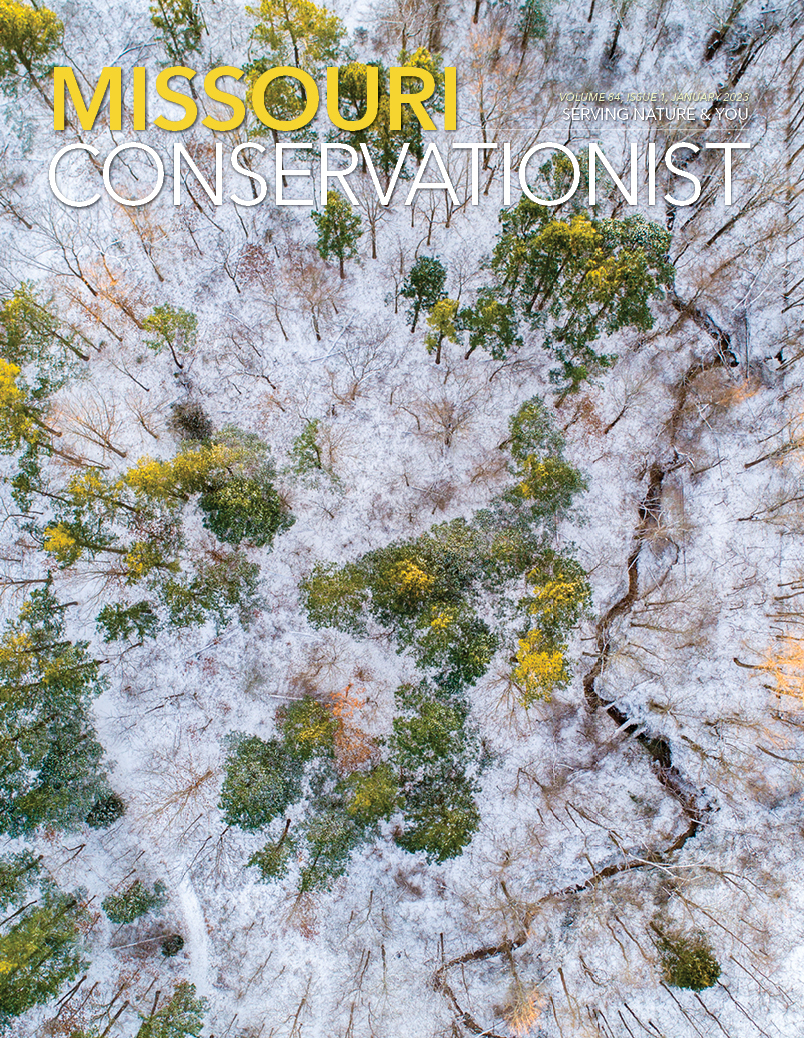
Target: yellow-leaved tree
{"x": 28, "y": 35}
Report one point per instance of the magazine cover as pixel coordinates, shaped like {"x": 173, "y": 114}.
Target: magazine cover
{"x": 402, "y": 456}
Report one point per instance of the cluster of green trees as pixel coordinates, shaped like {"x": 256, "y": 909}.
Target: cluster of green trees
{"x": 423, "y": 775}
{"x": 136, "y": 519}
{"x": 264, "y": 778}
{"x": 433, "y": 592}
{"x": 561, "y": 275}
{"x": 435, "y": 595}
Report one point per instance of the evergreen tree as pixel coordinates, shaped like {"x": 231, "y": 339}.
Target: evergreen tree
{"x": 578, "y": 278}
{"x": 262, "y": 780}
{"x": 441, "y": 816}
{"x": 106, "y": 811}
{"x": 689, "y": 962}
{"x": 133, "y": 902}
{"x": 222, "y": 584}
{"x": 30, "y": 338}
{"x": 331, "y": 836}
{"x": 283, "y": 97}
{"x": 18, "y": 872}
{"x": 274, "y": 858}
{"x": 245, "y": 508}
{"x": 50, "y": 754}
{"x": 532, "y": 432}
{"x": 308, "y": 729}
{"x": 491, "y": 324}
{"x": 181, "y": 1017}
{"x": 339, "y": 228}
{"x": 372, "y": 795}
{"x": 354, "y": 102}
{"x": 337, "y": 596}
{"x": 385, "y": 144}
{"x": 22, "y": 413}
{"x": 430, "y": 747}
{"x": 425, "y": 286}
{"x": 119, "y": 622}
{"x": 531, "y": 23}
{"x": 305, "y": 452}
{"x": 39, "y": 952}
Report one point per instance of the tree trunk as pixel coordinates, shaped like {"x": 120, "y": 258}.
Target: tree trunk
{"x": 615, "y": 41}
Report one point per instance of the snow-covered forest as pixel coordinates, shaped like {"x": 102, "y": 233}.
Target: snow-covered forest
{"x": 402, "y": 604}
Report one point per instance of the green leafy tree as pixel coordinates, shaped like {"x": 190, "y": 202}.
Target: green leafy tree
{"x": 305, "y": 453}
{"x": 181, "y": 1017}
{"x": 532, "y": 432}
{"x": 308, "y": 729}
{"x": 422, "y": 58}
{"x": 22, "y": 414}
{"x": 298, "y": 32}
{"x": 119, "y": 622}
{"x": 233, "y": 474}
{"x": 262, "y": 780}
{"x": 273, "y": 859}
{"x": 283, "y": 98}
{"x": 544, "y": 479}
{"x": 337, "y": 596}
{"x": 51, "y": 758}
{"x": 221, "y": 584}
{"x": 353, "y": 98}
{"x": 455, "y": 644}
{"x": 181, "y": 26}
{"x": 422, "y": 590}
{"x": 39, "y": 952}
{"x": 245, "y": 508}
{"x": 560, "y": 594}
{"x": 372, "y": 795}
{"x": 331, "y": 836}
{"x": 424, "y": 285}
{"x": 133, "y": 902}
{"x": 28, "y": 36}
{"x": 492, "y": 325}
{"x": 339, "y": 229}
{"x": 549, "y": 486}
{"x": 31, "y": 338}
{"x": 429, "y": 732}
{"x": 173, "y": 328}
{"x": 441, "y": 322}
{"x": 385, "y": 144}
{"x": 441, "y": 816}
